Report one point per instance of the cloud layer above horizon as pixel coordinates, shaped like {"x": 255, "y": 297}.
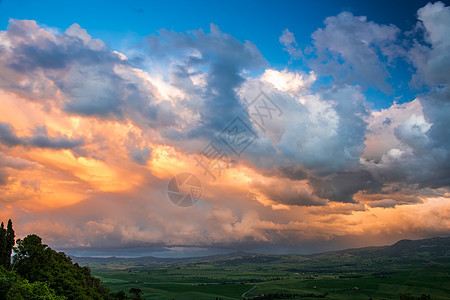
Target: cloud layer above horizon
{"x": 90, "y": 137}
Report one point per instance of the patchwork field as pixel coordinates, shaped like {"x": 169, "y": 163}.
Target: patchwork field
{"x": 407, "y": 269}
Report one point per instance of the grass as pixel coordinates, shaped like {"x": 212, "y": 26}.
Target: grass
{"x": 230, "y": 283}
{"x": 413, "y": 268}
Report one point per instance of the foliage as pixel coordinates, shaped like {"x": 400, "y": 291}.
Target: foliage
{"x": 407, "y": 296}
{"x": 136, "y": 293}
{"x": 119, "y": 295}
{"x": 35, "y": 261}
{"x": 3, "y": 249}
{"x": 12, "y": 286}
{"x": 10, "y": 235}
{"x": 38, "y": 272}
{"x": 6, "y": 244}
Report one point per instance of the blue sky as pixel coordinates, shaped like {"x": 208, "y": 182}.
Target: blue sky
{"x": 104, "y": 103}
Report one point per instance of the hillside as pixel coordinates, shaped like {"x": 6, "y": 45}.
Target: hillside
{"x": 408, "y": 269}
{"x": 430, "y": 250}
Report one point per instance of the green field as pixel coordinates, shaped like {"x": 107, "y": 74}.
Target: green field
{"x": 377, "y": 273}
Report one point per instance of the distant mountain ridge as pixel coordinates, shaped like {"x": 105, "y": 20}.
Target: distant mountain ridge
{"x": 435, "y": 245}
{"x": 438, "y": 247}
{"x": 150, "y": 261}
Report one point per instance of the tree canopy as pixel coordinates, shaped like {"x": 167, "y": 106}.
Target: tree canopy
{"x": 39, "y": 272}
{"x": 36, "y": 261}
{"x": 7, "y": 236}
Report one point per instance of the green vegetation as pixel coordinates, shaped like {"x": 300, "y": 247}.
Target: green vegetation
{"x": 35, "y": 261}
{"x": 406, "y": 270}
{"x": 6, "y": 244}
{"x": 13, "y": 286}
{"x": 38, "y": 272}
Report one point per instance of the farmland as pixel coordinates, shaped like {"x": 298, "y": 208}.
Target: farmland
{"x": 412, "y": 269}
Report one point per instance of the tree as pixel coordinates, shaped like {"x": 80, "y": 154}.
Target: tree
{"x": 136, "y": 293}
{"x": 118, "y": 295}
{"x": 37, "y": 262}
{"x": 32, "y": 291}
{"x": 12, "y": 286}
{"x": 30, "y": 257}
{"x": 10, "y": 235}
{"x": 6, "y": 244}
{"x": 3, "y": 249}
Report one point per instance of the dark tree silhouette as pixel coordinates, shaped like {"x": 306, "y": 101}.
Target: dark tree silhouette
{"x": 38, "y": 262}
{"x": 10, "y": 235}
{"x": 39, "y": 272}
{"x": 3, "y": 249}
{"x": 6, "y": 244}
{"x": 136, "y": 293}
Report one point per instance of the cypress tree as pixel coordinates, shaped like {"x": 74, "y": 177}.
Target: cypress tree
{"x": 10, "y": 235}
{"x": 3, "y": 245}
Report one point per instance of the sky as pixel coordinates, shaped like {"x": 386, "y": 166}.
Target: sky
{"x": 173, "y": 128}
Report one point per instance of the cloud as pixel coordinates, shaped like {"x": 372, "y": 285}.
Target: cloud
{"x": 288, "y": 81}
{"x": 16, "y": 163}
{"x": 48, "y": 51}
{"x": 87, "y": 77}
{"x": 418, "y": 154}
{"x": 326, "y": 133}
{"x": 40, "y": 140}
{"x": 413, "y": 132}
{"x": 323, "y": 166}
{"x": 55, "y": 143}
{"x": 433, "y": 62}
{"x": 7, "y": 136}
{"x": 220, "y": 59}
{"x": 288, "y": 192}
{"x": 347, "y": 49}
{"x": 381, "y": 136}
{"x": 321, "y": 133}
{"x": 287, "y": 39}
{"x": 436, "y": 20}
{"x": 342, "y": 186}
{"x": 140, "y": 156}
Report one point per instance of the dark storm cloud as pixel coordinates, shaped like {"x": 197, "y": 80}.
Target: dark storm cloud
{"x": 293, "y": 172}
{"x": 436, "y": 153}
{"x": 385, "y": 203}
{"x": 140, "y": 156}
{"x": 342, "y": 186}
{"x": 285, "y": 192}
{"x": 394, "y": 196}
{"x": 7, "y": 136}
{"x": 40, "y": 140}
{"x": 94, "y": 92}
